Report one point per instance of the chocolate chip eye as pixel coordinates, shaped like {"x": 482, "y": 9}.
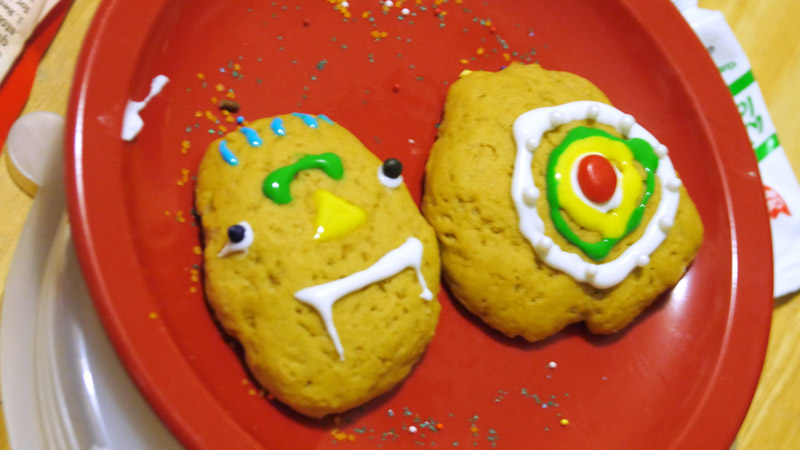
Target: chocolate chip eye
{"x": 392, "y": 168}
{"x": 236, "y": 233}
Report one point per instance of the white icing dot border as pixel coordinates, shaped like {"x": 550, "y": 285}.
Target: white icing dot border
{"x": 528, "y": 131}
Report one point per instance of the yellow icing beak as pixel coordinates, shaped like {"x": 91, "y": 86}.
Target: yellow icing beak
{"x": 335, "y": 216}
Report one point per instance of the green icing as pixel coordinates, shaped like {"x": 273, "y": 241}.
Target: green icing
{"x": 276, "y": 184}
{"x": 642, "y": 152}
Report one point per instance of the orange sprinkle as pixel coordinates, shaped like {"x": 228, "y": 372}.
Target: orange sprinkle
{"x": 153, "y": 315}
{"x": 378, "y": 34}
{"x": 464, "y": 61}
{"x": 351, "y": 437}
{"x": 214, "y": 100}
{"x": 480, "y": 51}
{"x": 439, "y": 426}
{"x": 219, "y": 87}
{"x": 197, "y": 250}
{"x": 200, "y": 76}
{"x": 198, "y": 114}
{"x": 473, "y": 429}
{"x": 192, "y": 289}
{"x": 237, "y": 67}
{"x": 184, "y": 179}
{"x": 506, "y": 56}
{"x": 245, "y": 381}
{"x": 487, "y": 23}
{"x": 340, "y": 436}
{"x": 166, "y": 213}
{"x": 365, "y": 14}
{"x": 231, "y": 95}
{"x": 251, "y": 391}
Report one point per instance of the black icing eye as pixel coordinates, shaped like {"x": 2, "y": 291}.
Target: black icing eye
{"x": 392, "y": 168}
{"x": 236, "y": 233}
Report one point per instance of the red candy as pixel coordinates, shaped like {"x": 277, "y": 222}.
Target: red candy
{"x": 597, "y": 178}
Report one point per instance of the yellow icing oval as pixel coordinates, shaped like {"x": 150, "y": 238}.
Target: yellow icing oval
{"x": 613, "y": 223}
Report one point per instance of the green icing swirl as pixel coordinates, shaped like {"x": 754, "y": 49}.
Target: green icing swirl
{"x": 276, "y": 184}
{"x": 642, "y": 153}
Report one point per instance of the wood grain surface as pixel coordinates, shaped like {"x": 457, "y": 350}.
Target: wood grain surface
{"x": 768, "y": 32}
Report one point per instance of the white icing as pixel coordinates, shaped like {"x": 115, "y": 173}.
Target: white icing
{"x": 323, "y": 296}
{"x": 530, "y": 127}
{"x": 241, "y": 246}
{"x": 391, "y": 183}
{"x": 132, "y": 123}
{"x": 613, "y": 202}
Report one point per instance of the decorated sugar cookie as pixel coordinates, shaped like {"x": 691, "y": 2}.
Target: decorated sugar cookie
{"x": 552, "y": 206}
{"x": 317, "y": 260}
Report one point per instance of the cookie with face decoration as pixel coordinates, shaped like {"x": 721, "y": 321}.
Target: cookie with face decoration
{"x": 317, "y": 261}
{"x": 552, "y": 206}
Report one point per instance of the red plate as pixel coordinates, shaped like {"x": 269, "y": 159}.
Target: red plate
{"x": 681, "y": 377}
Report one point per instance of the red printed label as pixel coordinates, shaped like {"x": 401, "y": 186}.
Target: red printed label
{"x": 775, "y": 203}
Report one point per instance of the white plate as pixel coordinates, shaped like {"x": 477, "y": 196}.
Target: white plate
{"x": 62, "y": 384}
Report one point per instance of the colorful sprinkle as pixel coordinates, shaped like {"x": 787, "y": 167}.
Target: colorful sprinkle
{"x": 229, "y": 105}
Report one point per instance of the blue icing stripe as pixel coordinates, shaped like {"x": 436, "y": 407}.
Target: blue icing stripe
{"x": 309, "y": 120}
{"x": 326, "y": 119}
{"x": 227, "y": 154}
{"x": 252, "y": 137}
{"x": 277, "y": 126}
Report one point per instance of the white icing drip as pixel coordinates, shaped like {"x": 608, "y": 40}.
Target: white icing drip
{"x": 532, "y": 125}
{"x": 241, "y": 246}
{"x": 613, "y": 202}
{"x": 391, "y": 183}
{"x": 323, "y": 296}
{"x": 132, "y": 123}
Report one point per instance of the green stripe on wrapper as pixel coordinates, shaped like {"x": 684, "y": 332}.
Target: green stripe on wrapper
{"x": 767, "y": 147}
{"x": 740, "y": 84}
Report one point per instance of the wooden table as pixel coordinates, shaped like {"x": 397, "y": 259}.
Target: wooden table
{"x": 769, "y": 35}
